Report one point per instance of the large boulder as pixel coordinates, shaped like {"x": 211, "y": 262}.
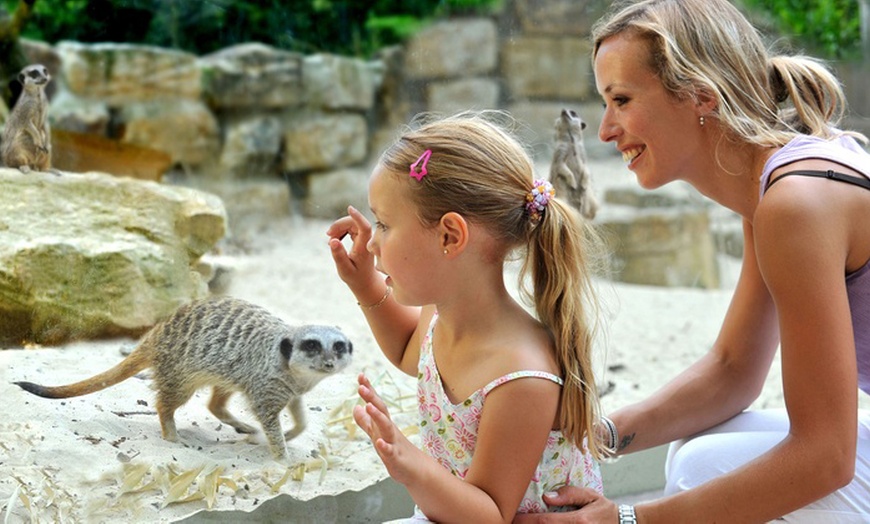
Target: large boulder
{"x": 93, "y": 255}
{"x": 119, "y": 74}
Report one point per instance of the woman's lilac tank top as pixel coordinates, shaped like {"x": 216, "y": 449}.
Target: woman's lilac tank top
{"x": 843, "y": 150}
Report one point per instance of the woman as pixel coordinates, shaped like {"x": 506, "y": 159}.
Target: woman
{"x": 691, "y": 94}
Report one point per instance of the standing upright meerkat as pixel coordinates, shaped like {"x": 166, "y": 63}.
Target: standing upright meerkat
{"x": 569, "y": 172}
{"x": 232, "y": 346}
{"x": 26, "y": 135}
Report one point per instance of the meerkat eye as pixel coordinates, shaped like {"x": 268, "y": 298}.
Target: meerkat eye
{"x": 310, "y": 346}
{"x": 339, "y": 348}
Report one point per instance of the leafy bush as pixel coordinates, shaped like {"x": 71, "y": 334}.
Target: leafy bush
{"x": 349, "y": 27}
{"x": 829, "y": 27}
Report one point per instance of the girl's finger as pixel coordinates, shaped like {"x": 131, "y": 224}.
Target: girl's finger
{"x": 381, "y": 423}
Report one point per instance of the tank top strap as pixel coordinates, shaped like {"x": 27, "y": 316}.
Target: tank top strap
{"x": 520, "y": 374}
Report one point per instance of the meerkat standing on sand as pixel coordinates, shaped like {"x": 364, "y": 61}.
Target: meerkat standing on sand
{"x": 26, "y": 136}
{"x": 569, "y": 172}
{"x": 230, "y": 345}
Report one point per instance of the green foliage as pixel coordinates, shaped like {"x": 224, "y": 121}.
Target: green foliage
{"x": 348, "y": 27}
{"x": 829, "y": 27}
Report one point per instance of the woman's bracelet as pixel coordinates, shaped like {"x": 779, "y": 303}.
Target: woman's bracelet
{"x": 613, "y": 436}
{"x": 379, "y": 302}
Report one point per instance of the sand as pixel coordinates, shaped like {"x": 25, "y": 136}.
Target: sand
{"x": 100, "y": 458}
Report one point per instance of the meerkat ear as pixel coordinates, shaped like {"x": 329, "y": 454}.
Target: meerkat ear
{"x": 286, "y": 347}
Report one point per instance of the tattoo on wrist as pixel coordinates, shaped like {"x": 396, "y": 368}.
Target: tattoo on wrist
{"x": 625, "y": 441}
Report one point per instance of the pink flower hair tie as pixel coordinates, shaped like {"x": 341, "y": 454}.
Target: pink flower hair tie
{"x": 538, "y": 198}
{"x": 422, "y": 162}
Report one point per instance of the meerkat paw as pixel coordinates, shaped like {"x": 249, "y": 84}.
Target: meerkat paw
{"x": 243, "y": 428}
{"x": 169, "y": 432}
{"x": 280, "y": 454}
{"x": 290, "y": 434}
{"x": 24, "y": 169}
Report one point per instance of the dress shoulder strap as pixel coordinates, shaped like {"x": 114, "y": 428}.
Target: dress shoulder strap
{"x": 829, "y": 174}
{"x": 520, "y": 374}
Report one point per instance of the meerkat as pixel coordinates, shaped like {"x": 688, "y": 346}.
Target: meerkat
{"x": 26, "y": 135}
{"x": 569, "y": 172}
{"x": 232, "y": 346}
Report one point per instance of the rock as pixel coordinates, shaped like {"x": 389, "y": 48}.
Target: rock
{"x": 251, "y": 145}
{"x": 663, "y": 247}
{"x": 315, "y": 141}
{"x": 329, "y": 193}
{"x": 184, "y": 129}
{"x": 120, "y": 74}
{"x": 83, "y": 152}
{"x": 456, "y": 95}
{"x": 336, "y": 82}
{"x": 88, "y": 256}
{"x": 558, "y": 17}
{"x": 252, "y": 75}
{"x": 453, "y": 49}
{"x": 534, "y": 67}
{"x": 81, "y": 115}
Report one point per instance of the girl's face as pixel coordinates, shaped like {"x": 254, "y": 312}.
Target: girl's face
{"x": 656, "y": 133}
{"x": 404, "y": 250}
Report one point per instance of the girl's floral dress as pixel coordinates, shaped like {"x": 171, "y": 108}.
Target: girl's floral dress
{"x": 449, "y": 434}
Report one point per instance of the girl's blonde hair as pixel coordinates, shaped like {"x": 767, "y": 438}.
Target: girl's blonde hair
{"x": 707, "y": 47}
{"x": 479, "y": 170}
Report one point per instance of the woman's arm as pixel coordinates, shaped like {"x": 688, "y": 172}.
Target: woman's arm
{"x": 802, "y": 244}
{"x": 513, "y": 433}
{"x": 393, "y": 325}
{"x": 723, "y": 382}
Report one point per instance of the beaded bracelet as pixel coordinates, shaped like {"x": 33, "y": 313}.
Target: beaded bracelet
{"x": 379, "y": 302}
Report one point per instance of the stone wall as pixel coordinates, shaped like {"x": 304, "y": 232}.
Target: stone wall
{"x": 252, "y": 120}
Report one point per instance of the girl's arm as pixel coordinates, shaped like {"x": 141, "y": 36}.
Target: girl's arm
{"x": 723, "y": 382}
{"x": 513, "y": 433}
{"x": 393, "y": 325}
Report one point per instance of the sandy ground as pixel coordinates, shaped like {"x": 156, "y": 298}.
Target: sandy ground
{"x": 100, "y": 458}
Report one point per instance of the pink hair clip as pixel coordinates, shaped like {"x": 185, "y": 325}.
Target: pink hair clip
{"x": 424, "y": 158}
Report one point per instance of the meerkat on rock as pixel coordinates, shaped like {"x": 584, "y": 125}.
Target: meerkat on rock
{"x": 26, "y": 137}
{"x": 232, "y": 346}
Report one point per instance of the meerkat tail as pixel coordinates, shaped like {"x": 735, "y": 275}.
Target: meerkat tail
{"x": 134, "y": 363}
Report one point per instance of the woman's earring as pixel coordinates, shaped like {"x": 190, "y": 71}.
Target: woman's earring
{"x": 701, "y": 119}
{"x": 445, "y": 251}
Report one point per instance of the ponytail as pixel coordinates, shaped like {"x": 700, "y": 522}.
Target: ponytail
{"x": 558, "y": 266}
{"x": 811, "y": 98}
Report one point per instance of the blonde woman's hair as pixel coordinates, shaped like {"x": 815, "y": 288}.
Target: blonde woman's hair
{"x": 479, "y": 170}
{"x": 708, "y": 48}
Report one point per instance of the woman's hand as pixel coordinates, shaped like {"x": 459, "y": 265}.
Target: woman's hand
{"x": 594, "y": 507}
{"x": 399, "y": 455}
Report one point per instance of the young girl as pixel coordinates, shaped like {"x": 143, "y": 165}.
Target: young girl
{"x": 507, "y": 400}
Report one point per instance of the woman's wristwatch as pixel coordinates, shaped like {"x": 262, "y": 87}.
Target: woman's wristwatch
{"x": 626, "y": 514}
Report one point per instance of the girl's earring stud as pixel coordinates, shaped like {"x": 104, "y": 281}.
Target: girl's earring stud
{"x": 701, "y": 119}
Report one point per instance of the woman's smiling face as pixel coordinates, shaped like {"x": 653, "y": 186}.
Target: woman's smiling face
{"x": 656, "y": 132}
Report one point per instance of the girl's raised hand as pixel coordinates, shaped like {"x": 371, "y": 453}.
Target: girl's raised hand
{"x": 356, "y": 266}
